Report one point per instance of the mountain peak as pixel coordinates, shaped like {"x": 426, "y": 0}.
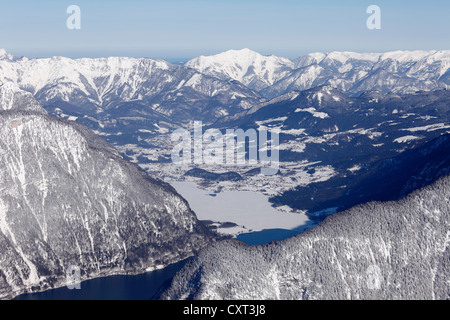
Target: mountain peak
{"x": 14, "y": 98}
{"x": 243, "y": 50}
{"x": 245, "y": 65}
{"x": 251, "y": 54}
{"x": 231, "y": 54}
{"x": 4, "y": 55}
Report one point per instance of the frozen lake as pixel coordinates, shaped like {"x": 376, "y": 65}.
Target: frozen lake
{"x": 251, "y": 211}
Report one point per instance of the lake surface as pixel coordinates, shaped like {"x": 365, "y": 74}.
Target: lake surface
{"x": 138, "y": 287}
{"x": 250, "y": 211}
{"x": 268, "y": 235}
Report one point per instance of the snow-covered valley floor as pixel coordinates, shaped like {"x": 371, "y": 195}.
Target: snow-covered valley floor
{"x": 250, "y": 211}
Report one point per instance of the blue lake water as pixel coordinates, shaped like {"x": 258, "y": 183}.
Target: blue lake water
{"x": 138, "y": 287}
{"x": 268, "y": 235}
{"x": 265, "y": 236}
{"x": 144, "y": 286}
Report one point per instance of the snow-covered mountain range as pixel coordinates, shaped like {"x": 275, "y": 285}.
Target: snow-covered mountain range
{"x": 156, "y": 96}
{"x": 69, "y": 199}
{"x": 203, "y": 88}
{"x": 399, "y": 72}
{"x": 246, "y": 66}
{"x": 120, "y": 85}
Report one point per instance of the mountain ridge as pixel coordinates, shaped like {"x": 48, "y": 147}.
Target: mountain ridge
{"x": 69, "y": 199}
{"x": 412, "y": 70}
{"x": 377, "y": 251}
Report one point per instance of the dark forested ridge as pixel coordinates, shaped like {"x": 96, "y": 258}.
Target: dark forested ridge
{"x": 388, "y": 250}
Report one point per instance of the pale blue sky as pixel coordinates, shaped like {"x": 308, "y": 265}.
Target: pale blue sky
{"x": 173, "y": 29}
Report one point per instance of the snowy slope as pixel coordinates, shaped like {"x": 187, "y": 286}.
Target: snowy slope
{"x": 5, "y": 55}
{"x": 13, "y": 98}
{"x": 352, "y": 72}
{"x": 93, "y": 86}
{"x": 67, "y": 198}
{"x": 246, "y": 66}
{"x": 399, "y": 72}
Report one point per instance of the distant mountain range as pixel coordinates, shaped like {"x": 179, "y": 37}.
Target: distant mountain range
{"x": 246, "y": 66}
{"x": 117, "y": 88}
{"x": 399, "y": 72}
{"x": 207, "y": 88}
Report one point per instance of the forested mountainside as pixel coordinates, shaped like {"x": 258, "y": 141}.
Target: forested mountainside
{"x": 378, "y": 250}
{"x": 67, "y": 198}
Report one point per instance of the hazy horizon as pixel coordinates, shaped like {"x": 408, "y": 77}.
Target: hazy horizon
{"x": 179, "y": 30}
{"x": 180, "y": 60}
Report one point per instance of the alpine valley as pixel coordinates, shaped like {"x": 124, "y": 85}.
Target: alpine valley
{"x": 364, "y": 137}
